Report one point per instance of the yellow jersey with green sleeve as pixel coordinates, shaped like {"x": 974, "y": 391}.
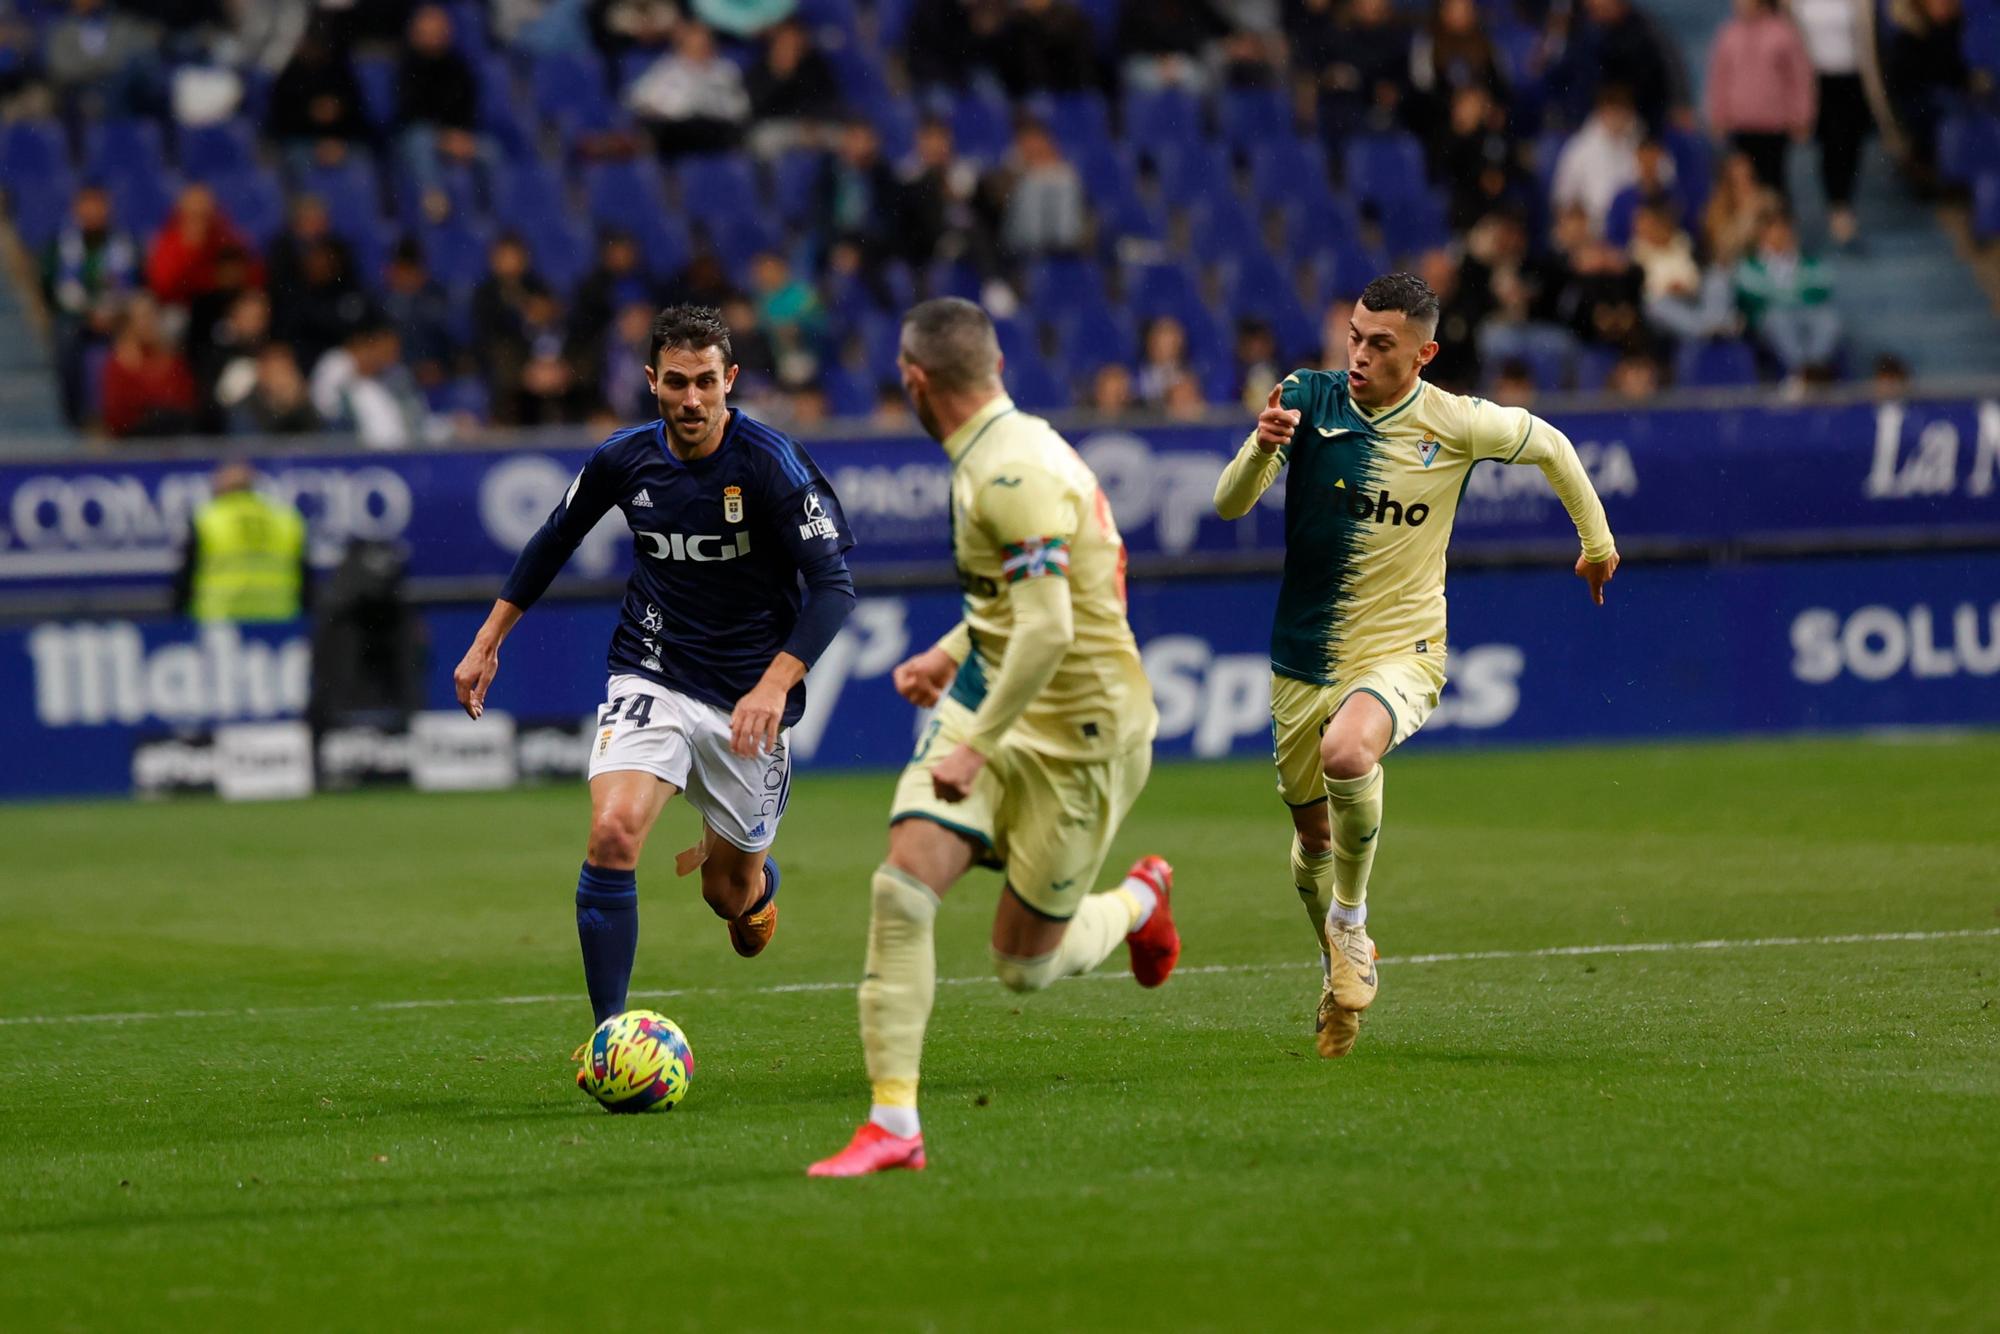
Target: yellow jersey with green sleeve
{"x": 1370, "y": 496}
{"x": 1024, "y": 508}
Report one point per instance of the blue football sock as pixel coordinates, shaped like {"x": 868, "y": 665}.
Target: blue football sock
{"x": 607, "y": 926}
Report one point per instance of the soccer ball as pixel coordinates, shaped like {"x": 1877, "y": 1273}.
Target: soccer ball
{"x": 638, "y": 1061}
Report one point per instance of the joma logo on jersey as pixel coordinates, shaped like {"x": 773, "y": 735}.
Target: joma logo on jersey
{"x": 699, "y": 547}
{"x": 1381, "y": 508}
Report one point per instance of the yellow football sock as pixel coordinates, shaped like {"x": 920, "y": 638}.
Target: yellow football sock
{"x": 1312, "y": 876}
{"x": 1356, "y": 805}
{"x": 1101, "y": 922}
{"x": 899, "y": 984}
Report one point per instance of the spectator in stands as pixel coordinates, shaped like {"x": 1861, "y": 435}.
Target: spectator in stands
{"x": 1043, "y": 213}
{"x": 1184, "y": 400}
{"x": 1601, "y": 289}
{"x": 1656, "y": 183}
{"x": 226, "y": 368}
{"x": 1475, "y": 157}
{"x": 691, "y": 98}
{"x": 756, "y": 358}
{"x": 805, "y": 407}
{"x": 791, "y": 89}
{"x": 1616, "y": 45}
{"x": 1924, "y": 69}
{"x": 622, "y": 363}
{"x": 1600, "y": 159}
{"x": 1165, "y": 43}
{"x": 1111, "y": 392}
{"x": 535, "y": 380}
{"x": 86, "y": 272}
{"x": 1635, "y": 379}
{"x": 618, "y": 280}
{"x": 1680, "y": 300}
{"x": 500, "y": 300}
{"x": 191, "y": 243}
{"x": 1891, "y": 380}
{"x": 1163, "y": 360}
{"x": 307, "y": 227}
{"x": 1737, "y": 207}
{"x": 1843, "y": 120}
{"x": 437, "y": 99}
{"x": 892, "y": 410}
{"x": 1254, "y": 366}
{"x": 104, "y": 63}
{"x": 1514, "y": 385}
{"x": 1046, "y": 46}
{"x": 704, "y": 282}
{"x": 325, "y": 303}
{"x": 1761, "y": 87}
{"x": 1787, "y": 296}
{"x": 625, "y": 25}
{"x": 1362, "y": 61}
{"x": 937, "y": 214}
{"x": 316, "y": 109}
{"x": 1333, "y": 335}
{"x": 1454, "y": 52}
{"x": 947, "y": 41}
{"x": 148, "y": 388}
{"x": 790, "y": 312}
{"x": 420, "y": 312}
{"x": 1456, "y": 366}
{"x": 277, "y": 403}
{"x": 363, "y": 387}
{"x": 858, "y": 193}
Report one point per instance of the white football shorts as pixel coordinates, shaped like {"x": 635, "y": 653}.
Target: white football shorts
{"x": 647, "y": 726}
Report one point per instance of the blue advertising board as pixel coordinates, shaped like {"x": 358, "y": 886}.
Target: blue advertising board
{"x": 1679, "y": 650}
{"x": 1877, "y": 472}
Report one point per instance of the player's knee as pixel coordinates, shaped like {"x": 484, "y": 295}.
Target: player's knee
{"x": 616, "y": 838}
{"x": 1025, "y": 974}
{"x": 1345, "y": 758}
{"x": 1315, "y": 842}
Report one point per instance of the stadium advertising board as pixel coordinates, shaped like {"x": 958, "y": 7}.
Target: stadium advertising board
{"x": 1680, "y": 649}
{"x": 1798, "y": 474}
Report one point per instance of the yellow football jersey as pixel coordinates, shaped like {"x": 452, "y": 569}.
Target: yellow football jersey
{"x": 1025, "y": 506}
{"x": 1369, "y": 501}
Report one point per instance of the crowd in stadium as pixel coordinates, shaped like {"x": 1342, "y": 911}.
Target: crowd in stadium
{"x": 280, "y": 216}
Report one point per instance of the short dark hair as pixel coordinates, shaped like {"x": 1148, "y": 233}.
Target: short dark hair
{"x": 1405, "y": 292}
{"x": 953, "y": 340}
{"x": 691, "y": 328}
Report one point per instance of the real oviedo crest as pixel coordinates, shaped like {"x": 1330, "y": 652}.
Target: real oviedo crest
{"x": 732, "y": 504}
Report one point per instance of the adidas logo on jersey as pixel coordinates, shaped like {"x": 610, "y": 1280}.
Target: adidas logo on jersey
{"x": 642, "y": 501}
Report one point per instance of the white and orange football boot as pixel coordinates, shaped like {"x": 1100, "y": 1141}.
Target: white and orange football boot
{"x": 872, "y": 1149}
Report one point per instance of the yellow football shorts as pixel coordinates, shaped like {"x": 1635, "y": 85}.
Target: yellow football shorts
{"x": 1407, "y": 686}
{"x": 1047, "y": 822}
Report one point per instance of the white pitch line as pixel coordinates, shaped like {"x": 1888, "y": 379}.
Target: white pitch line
{"x": 788, "y": 988}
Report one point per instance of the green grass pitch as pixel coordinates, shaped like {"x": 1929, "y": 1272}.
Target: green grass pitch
{"x": 340, "y": 1097}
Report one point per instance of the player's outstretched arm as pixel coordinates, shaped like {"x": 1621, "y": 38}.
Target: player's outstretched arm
{"x": 923, "y": 678}
{"x": 819, "y": 549}
{"x": 481, "y": 663}
{"x": 1551, "y": 451}
{"x": 1255, "y": 467}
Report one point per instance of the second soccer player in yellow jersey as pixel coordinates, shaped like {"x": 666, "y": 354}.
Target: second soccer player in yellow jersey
{"x": 1042, "y": 737}
{"x": 1377, "y": 461}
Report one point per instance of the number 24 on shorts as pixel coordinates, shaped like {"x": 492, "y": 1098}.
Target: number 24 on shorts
{"x": 638, "y": 715}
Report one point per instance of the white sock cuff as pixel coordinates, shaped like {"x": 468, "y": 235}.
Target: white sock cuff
{"x": 1342, "y": 915}
{"x": 1144, "y": 895}
{"x": 899, "y": 1121}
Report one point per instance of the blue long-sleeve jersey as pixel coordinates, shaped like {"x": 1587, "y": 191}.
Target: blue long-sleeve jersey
{"x": 720, "y": 547}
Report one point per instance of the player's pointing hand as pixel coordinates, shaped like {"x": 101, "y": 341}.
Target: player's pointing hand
{"x": 1597, "y": 573}
{"x": 474, "y": 673}
{"x": 1276, "y": 423}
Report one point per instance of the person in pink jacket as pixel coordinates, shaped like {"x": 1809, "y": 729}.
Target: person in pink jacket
{"x": 1761, "y": 87}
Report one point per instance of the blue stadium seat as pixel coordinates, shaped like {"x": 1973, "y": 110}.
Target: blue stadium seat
{"x": 461, "y": 394}
{"x": 526, "y": 194}
{"x": 352, "y": 196}
{"x": 501, "y": 115}
{"x": 982, "y": 126}
{"x": 1968, "y": 143}
{"x": 881, "y": 338}
{"x": 1593, "y": 367}
{"x": 1221, "y": 228}
{"x": 1092, "y": 335}
{"x": 1249, "y": 116}
{"x": 370, "y": 246}
{"x": 468, "y": 29}
{"x": 952, "y": 277}
{"x": 458, "y": 181}
{"x": 664, "y": 245}
{"x": 1415, "y": 223}
{"x": 718, "y": 185}
{"x": 1258, "y": 287}
{"x": 141, "y": 202}
{"x": 563, "y": 252}
{"x": 1059, "y": 287}
{"x": 253, "y": 200}
{"x": 377, "y": 76}
{"x": 1694, "y": 165}
{"x": 1722, "y": 362}
{"x": 1986, "y": 205}
{"x": 1291, "y": 168}
{"x": 1187, "y": 171}
{"x": 210, "y": 151}
{"x": 848, "y": 393}
{"x": 615, "y": 190}
{"x": 740, "y": 239}
{"x": 455, "y": 251}
{"x": 41, "y": 212}
{"x": 114, "y": 147}
{"x": 1167, "y": 288}
{"x": 1166, "y": 116}
{"x": 30, "y": 149}
{"x": 1032, "y": 384}
{"x": 849, "y": 301}
{"x": 795, "y": 180}
{"x": 568, "y": 92}
{"x": 1316, "y": 231}
{"x": 1385, "y": 166}
{"x": 1080, "y": 122}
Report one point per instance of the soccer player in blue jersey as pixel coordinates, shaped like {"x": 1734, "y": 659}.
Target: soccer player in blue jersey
{"x": 739, "y": 582}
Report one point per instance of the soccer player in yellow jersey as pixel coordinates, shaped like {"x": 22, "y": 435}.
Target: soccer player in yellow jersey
{"x": 1042, "y": 738}
{"x": 1377, "y": 462}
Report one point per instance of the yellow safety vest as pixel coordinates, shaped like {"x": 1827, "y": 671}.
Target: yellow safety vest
{"x": 247, "y": 556}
